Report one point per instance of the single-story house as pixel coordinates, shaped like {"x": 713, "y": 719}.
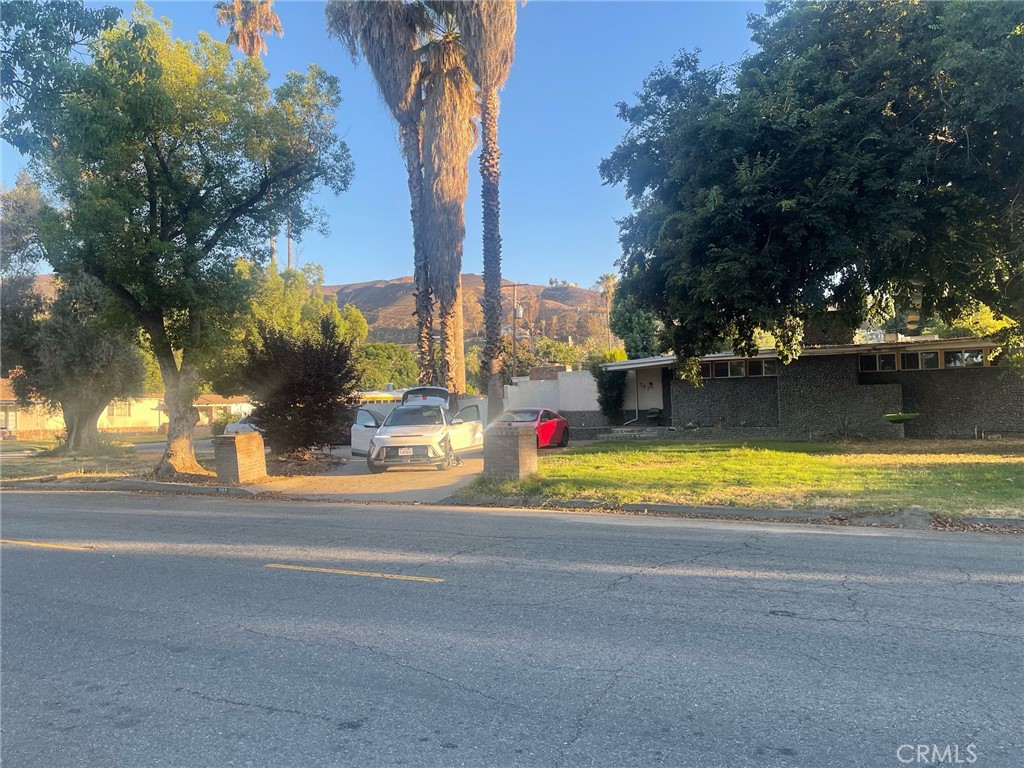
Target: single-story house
{"x": 138, "y": 414}
{"x": 956, "y": 387}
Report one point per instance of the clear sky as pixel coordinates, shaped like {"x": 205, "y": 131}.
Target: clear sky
{"x": 574, "y": 61}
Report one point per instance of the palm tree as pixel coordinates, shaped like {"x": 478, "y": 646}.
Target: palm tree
{"x": 488, "y": 32}
{"x": 248, "y": 21}
{"x": 449, "y": 135}
{"x": 387, "y": 34}
{"x": 606, "y": 285}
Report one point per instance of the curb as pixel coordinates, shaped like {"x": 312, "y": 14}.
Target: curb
{"x": 150, "y": 486}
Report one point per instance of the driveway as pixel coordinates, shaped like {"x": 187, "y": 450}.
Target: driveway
{"x": 353, "y": 482}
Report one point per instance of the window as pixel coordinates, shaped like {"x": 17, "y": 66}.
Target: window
{"x": 887, "y": 361}
{"x": 869, "y": 363}
{"x": 120, "y": 409}
{"x": 737, "y": 369}
{"x": 470, "y": 413}
{"x": 910, "y": 361}
{"x": 963, "y": 358}
{"x": 705, "y": 370}
{"x": 365, "y": 418}
{"x": 755, "y": 367}
{"x": 721, "y": 370}
{"x": 929, "y": 361}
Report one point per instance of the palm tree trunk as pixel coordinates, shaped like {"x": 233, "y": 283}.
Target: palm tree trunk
{"x": 453, "y": 362}
{"x": 412, "y": 151}
{"x": 490, "y": 174}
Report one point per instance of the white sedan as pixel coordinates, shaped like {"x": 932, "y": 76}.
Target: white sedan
{"x": 415, "y": 435}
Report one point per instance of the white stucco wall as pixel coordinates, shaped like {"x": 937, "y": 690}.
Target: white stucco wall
{"x": 573, "y": 391}
{"x": 651, "y": 395}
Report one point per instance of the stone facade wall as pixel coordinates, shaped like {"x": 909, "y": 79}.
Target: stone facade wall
{"x": 955, "y": 403}
{"x": 823, "y": 397}
{"x": 747, "y": 403}
{"x": 813, "y": 397}
{"x": 240, "y": 458}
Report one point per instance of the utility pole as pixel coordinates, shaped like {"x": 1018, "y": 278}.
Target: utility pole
{"x": 515, "y": 323}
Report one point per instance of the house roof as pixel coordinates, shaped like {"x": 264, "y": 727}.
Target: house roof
{"x": 919, "y": 345}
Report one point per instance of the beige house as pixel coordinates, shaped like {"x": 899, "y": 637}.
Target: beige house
{"x": 141, "y": 414}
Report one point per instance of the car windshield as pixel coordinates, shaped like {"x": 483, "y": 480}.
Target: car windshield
{"x": 415, "y": 415}
{"x": 510, "y": 416}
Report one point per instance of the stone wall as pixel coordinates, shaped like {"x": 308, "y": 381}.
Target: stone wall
{"x": 823, "y": 397}
{"x": 959, "y": 403}
{"x": 814, "y": 397}
{"x": 725, "y": 403}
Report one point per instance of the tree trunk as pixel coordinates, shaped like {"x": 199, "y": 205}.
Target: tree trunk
{"x": 80, "y": 419}
{"x": 412, "y": 151}
{"x": 453, "y": 362}
{"x": 490, "y": 174}
{"x": 182, "y": 416}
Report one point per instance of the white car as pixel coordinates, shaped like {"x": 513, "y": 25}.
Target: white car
{"x": 368, "y": 421}
{"x": 244, "y": 424}
{"x": 414, "y": 435}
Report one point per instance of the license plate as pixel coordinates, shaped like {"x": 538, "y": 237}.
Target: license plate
{"x": 405, "y": 451}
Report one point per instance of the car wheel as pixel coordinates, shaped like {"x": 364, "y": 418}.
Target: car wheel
{"x": 374, "y": 469}
{"x": 449, "y": 459}
{"x": 565, "y": 438}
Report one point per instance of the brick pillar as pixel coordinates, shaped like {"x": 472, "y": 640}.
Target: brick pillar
{"x": 240, "y": 458}
{"x": 510, "y": 452}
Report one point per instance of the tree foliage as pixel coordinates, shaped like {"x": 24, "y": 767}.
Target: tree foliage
{"x": 21, "y": 209}
{"x": 37, "y": 64}
{"x": 248, "y": 22}
{"x": 611, "y": 385}
{"x": 303, "y": 387}
{"x": 67, "y": 357}
{"x": 192, "y": 161}
{"x": 383, "y": 363}
{"x": 866, "y": 150}
{"x": 635, "y": 325}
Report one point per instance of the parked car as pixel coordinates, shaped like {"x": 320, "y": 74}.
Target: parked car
{"x": 364, "y": 427}
{"x": 244, "y": 424}
{"x": 551, "y": 427}
{"x": 426, "y": 433}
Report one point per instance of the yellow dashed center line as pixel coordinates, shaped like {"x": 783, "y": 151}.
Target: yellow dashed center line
{"x": 355, "y": 573}
{"x": 45, "y": 545}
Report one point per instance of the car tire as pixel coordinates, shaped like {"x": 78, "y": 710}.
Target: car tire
{"x": 374, "y": 469}
{"x": 448, "y": 461}
{"x": 565, "y": 439}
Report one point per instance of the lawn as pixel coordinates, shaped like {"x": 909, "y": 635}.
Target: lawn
{"x": 948, "y": 477}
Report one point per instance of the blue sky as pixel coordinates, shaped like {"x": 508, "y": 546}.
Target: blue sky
{"x": 574, "y": 62}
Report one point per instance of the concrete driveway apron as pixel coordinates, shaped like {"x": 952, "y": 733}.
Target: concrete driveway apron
{"x": 353, "y": 482}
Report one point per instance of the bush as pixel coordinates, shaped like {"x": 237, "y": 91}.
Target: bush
{"x": 611, "y": 385}
{"x": 303, "y": 389}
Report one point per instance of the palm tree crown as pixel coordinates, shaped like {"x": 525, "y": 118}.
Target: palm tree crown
{"x": 247, "y": 22}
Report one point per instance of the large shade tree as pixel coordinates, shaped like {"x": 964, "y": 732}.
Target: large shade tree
{"x": 488, "y": 30}
{"x": 68, "y": 354}
{"x": 388, "y": 34}
{"x": 173, "y": 161}
{"x": 867, "y": 151}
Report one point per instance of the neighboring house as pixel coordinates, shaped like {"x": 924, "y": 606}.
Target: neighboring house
{"x": 955, "y": 386}
{"x": 140, "y": 414}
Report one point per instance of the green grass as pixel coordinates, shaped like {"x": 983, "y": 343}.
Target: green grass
{"x": 18, "y": 446}
{"x": 947, "y": 477}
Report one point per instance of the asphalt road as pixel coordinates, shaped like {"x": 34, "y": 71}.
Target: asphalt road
{"x": 525, "y": 639}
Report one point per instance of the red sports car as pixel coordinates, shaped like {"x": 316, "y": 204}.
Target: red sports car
{"x": 551, "y": 428}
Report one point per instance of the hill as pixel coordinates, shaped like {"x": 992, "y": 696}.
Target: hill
{"x": 388, "y": 305}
